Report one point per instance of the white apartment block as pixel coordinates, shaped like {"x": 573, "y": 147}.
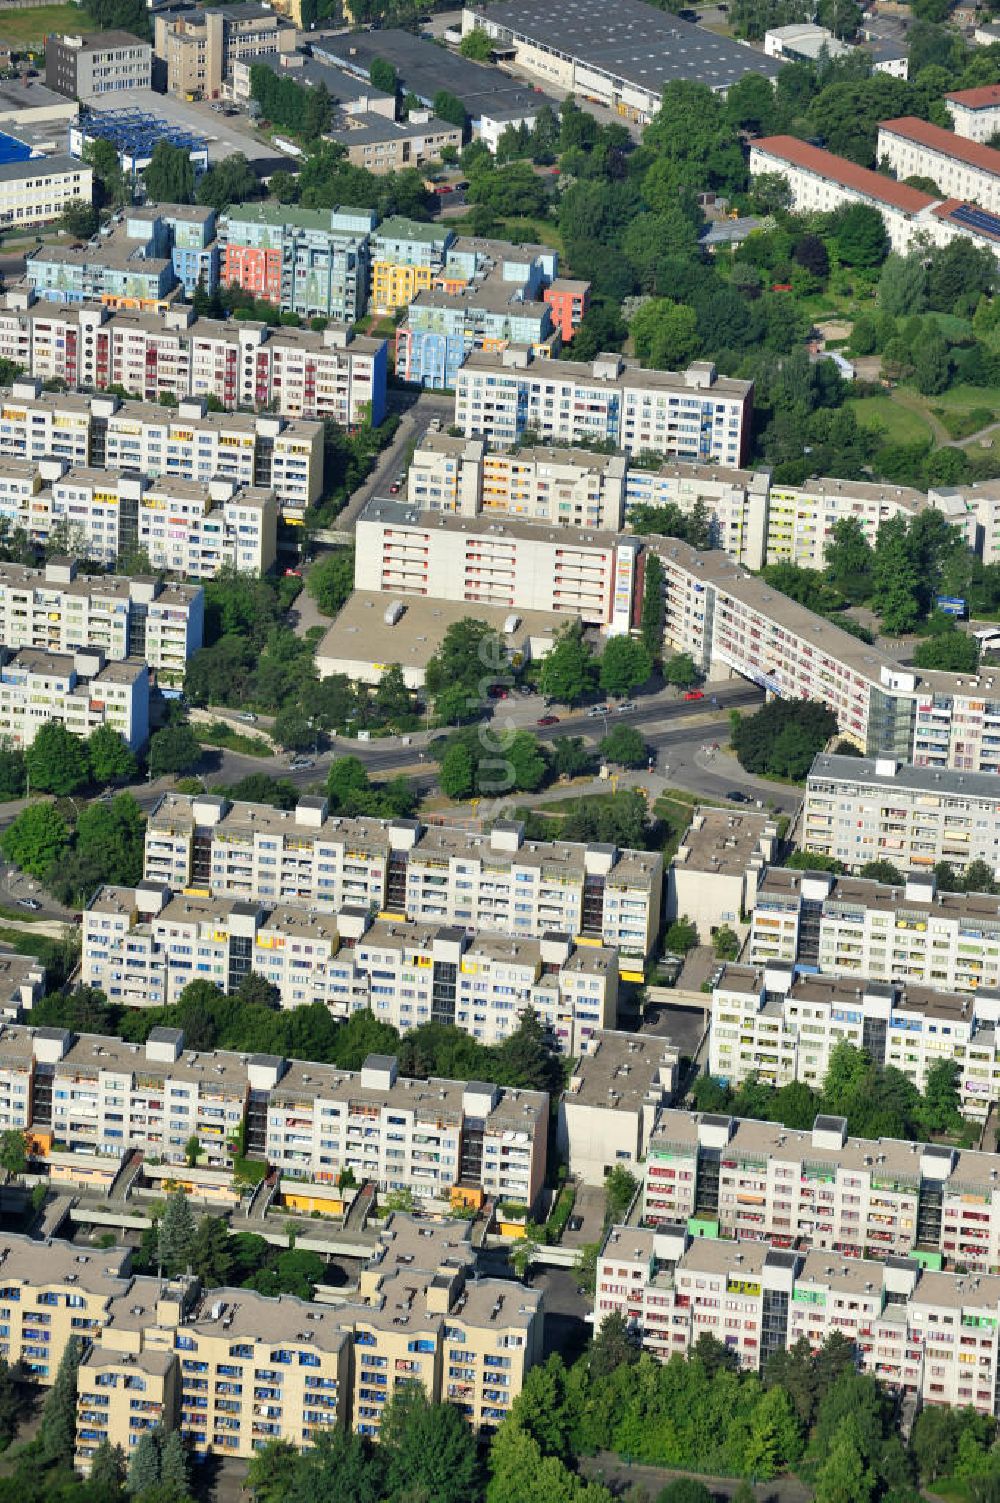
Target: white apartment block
{"x": 55, "y": 609}
{"x": 560, "y": 487}
{"x": 695, "y": 414}
{"x": 310, "y": 1121}
{"x": 103, "y": 432}
{"x": 851, "y": 926}
{"x": 921, "y": 1332}
{"x": 975, "y": 113}
{"x": 714, "y": 874}
{"x": 185, "y": 526}
{"x": 141, "y": 946}
{"x": 619, "y": 1087}
{"x": 41, "y": 189}
{"x": 401, "y": 869}
{"x": 962, "y": 168}
{"x": 770, "y": 1022}
{"x": 81, "y": 690}
{"x": 867, "y": 1198}
{"x": 863, "y": 809}
{"x": 822, "y": 182}
{"x": 300, "y": 373}
{"x": 590, "y": 576}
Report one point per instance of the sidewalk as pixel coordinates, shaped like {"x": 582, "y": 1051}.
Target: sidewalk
{"x": 725, "y": 765}
{"x": 619, "y": 1477}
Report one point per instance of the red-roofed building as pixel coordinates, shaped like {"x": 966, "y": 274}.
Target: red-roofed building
{"x": 821, "y": 181}
{"x": 975, "y": 112}
{"x": 961, "y": 168}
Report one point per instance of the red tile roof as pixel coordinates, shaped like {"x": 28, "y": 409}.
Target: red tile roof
{"x": 908, "y": 128}
{"x": 977, "y": 99}
{"x": 848, "y": 174}
{"x": 946, "y": 210}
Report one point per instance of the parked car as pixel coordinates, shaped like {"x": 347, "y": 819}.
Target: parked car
{"x": 548, "y": 720}
{"x": 625, "y": 709}
{"x": 248, "y": 719}
{"x": 298, "y": 763}
{"x": 596, "y": 710}
{"x": 293, "y": 573}
{"x": 694, "y": 694}
{"x": 31, "y": 903}
{"x": 739, "y": 798}
{"x": 394, "y": 488}
{"x": 498, "y": 691}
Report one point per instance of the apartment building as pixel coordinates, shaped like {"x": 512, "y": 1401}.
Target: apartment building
{"x": 851, "y": 926}
{"x": 443, "y": 328}
{"x": 426, "y": 1319}
{"x": 141, "y": 946}
{"x": 713, "y": 876}
{"x": 961, "y": 168}
{"x": 138, "y": 265}
{"x": 569, "y": 299}
{"x": 22, "y": 984}
{"x": 821, "y": 181}
{"x": 42, "y": 188}
{"x": 975, "y": 113}
{"x": 308, "y": 1121}
{"x": 80, "y": 689}
{"x": 56, "y": 609}
{"x": 509, "y": 564}
{"x": 296, "y": 372}
{"x": 865, "y": 1198}
{"x": 923, "y": 1333}
{"x": 695, "y": 415}
{"x": 184, "y": 526}
{"x": 305, "y": 261}
{"x": 873, "y": 809}
{"x": 105, "y": 62}
{"x": 619, "y": 1087}
{"x": 498, "y": 881}
{"x": 382, "y": 144}
{"x": 406, "y": 256}
{"x": 561, "y": 487}
{"x": 232, "y": 1369}
{"x": 782, "y": 1026}
{"x": 200, "y": 47}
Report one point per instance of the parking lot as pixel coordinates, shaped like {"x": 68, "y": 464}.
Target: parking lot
{"x": 225, "y": 134}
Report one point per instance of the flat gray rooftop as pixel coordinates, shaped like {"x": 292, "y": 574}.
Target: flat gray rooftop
{"x": 941, "y": 780}
{"x": 632, "y": 41}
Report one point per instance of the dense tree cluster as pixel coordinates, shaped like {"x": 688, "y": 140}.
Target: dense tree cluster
{"x": 877, "y": 1101}
{"x": 305, "y": 111}
{"x": 73, "y": 853}
{"x": 783, "y": 737}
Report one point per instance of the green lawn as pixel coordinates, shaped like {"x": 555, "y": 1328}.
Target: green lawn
{"x": 222, "y": 735}
{"x": 963, "y": 397}
{"x": 900, "y": 425}
{"x": 24, "y": 28}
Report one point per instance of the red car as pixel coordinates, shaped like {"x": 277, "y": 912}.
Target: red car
{"x": 548, "y": 720}
{"x": 497, "y": 691}
{"x": 293, "y": 573}
{"x": 694, "y": 694}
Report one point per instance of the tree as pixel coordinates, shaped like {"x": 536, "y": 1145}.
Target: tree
{"x": 110, "y": 757}
{"x": 58, "y": 1427}
{"x": 681, "y": 671}
{"x": 382, "y": 75}
{"x": 271, "y": 1471}
{"x": 103, "y": 158}
{"x": 931, "y": 363}
{"x": 331, "y": 580}
{"x": 882, "y": 871}
{"x": 783, "y": 737}
{"x": 684, "y": 1490}
{"x": 36, "y": 839}
{"x": 665, "y": 334}
{"x": 848, "y": 559}
{"x": 941, "y": 1098}
{"x": 57, "y": 760}
{"x": 457, "y": 777}
{"x": 107, "y": 1470}
{"x": 80, "y": 219}
{"x": 896, "y": 578}
{"x": 448, "y": 106}
{"x": 231, "y": 181}
{"x": 951, "y": 650}
{"x": 471, "y": 657}
{"x": 211, "y": 1255}
{"x": 174, "y": 749}
{"x": 651, "y": 628}
{"x": 902, "y": 285}
{"x": 567, "y": 669}
{"x": 725, "y": 943}
{"x": 681, "y": 936}
{"x": 625, "y": 664}
{"x": 143, "y": 1465}
{"x": 169, "y": 178}
{"x": 625, "y": 747}
{"x": 176, "y": 1234}
{"x": 476, "y": 45}
{"x": 13, "y": 1155}
{"x": 174, "y": 1472}
{"x": 292, "y": 729}
{"x": 431, "y": 1449}
{"x": 861, "y": 236}
{"x": 570, "y": 756}
{"x": 842, "y": 1476}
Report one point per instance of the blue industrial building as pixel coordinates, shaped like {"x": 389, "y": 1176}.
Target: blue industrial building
{"x": 134, "y": 134}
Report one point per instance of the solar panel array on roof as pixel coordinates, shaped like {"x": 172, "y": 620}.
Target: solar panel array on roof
{"x": 135, "y": 132}
{"x": 977, "y": 219}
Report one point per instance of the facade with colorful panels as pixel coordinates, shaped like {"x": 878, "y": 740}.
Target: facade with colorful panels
{"x": 406, "y": 257}
{"x": 310, "y": 262}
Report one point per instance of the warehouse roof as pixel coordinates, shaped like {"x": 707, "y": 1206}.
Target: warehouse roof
{"x": 632, "y": 41}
